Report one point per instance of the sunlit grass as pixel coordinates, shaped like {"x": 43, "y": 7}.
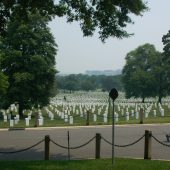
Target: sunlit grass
{"x": 102, "y": 164}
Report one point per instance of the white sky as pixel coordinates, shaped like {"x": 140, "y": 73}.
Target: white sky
{"x": 77, "y": 54}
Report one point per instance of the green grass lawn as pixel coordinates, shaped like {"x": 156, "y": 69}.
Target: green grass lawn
{"x": 81, "y": 121}
{"x": 103, "y": 164}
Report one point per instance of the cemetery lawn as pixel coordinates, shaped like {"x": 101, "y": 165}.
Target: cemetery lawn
{"x": 100, "y": 164}
{"x": 80, "y": 122}
{"x": 60, "y": 113}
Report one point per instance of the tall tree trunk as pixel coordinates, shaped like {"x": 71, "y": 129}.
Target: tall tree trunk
{"x": 160, "y": 93}
{"x": 143, "y": 100}
{"x": 21, "y": 108}
{"x": 160, "y": 99}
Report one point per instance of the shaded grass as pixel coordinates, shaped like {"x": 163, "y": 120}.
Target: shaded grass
{"x": 102, "y": 164}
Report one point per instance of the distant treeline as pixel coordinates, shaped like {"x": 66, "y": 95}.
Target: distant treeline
{"x": 74, "y": 82}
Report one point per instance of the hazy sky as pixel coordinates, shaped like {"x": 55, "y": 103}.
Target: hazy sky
{"x": 77, "y": 54}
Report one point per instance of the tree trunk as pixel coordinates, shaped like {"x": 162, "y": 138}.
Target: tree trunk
{"x": 160, "y": 94}
{"x": 36, "y": 119}
{"x": 143, "y": 100}
{"x": 160, "y": 99}
{"x": 21, "y": 108}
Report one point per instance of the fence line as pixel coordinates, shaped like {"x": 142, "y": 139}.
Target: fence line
{"x": 84, "y": 143}
{"x": 22, "y": 150}
{"x": 162, "y": 143}
{"x": 61, "y": 146}
{"x": 76, "y": 147}
{"x": 126, "y": 144}
{"x": 148, "y": 135}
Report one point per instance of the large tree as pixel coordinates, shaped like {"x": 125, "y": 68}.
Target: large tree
{"x": 166, "y": 61}
{"x": 3, "y": 78}
{"x": 107, "y": 16}
{"x": 140, "y": 75}
{"x": 28, "y": 60}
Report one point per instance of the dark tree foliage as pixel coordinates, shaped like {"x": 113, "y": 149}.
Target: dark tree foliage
{"x": 142, "y": 72}
{"x": 28, "y": 61}
{"x": 107, "y": 16}
{"x": 23, "y": 44}
{"x": 3, "y": 79}
{"x": 85, "y": 82}
{"x": 166, "y": 61}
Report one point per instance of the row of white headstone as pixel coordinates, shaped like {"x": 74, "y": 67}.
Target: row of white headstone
{"x": 65, "y": 112}
{"x": 124, "y": 112}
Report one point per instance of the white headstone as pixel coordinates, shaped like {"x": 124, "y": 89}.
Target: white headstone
{"x": 105, "y": 118}
{"x": 62, "y": 115}
{"x": 154, "y": 113}
{"x": 27, "y": 121}
{"x": 127, "y": 116}
{"x": 40, "y": 122}
{"x": 137, "y": 115}
{"x": 5, "y": 118}
{"x": 81, "y": 114}
{"x": 116, "y": 117}
{"x": 66, "y": 118}
{"x": 15, "y": 120}
{"x": 71, "y": 120}
{"x": 122, "y": 112}
{"x": 146, "y": 114}
{"x": 162, "y": 112}
{"x": 52, "y": 116}
{"x": 94, "y": 117}
{"x": 11, "y": 123}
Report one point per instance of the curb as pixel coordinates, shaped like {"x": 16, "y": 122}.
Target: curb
{"x": 78, "y": 127}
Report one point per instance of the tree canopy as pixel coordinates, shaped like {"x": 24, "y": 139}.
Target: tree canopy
{"x": 3, "y": 78}
{"x": 140, "y": 76}
{"x": 28, "y": 49}
{"x": 107, "y": 16}
{"x": 166, "y": 61}
{"x": 85, "y": 82}
{"x": 28, "y": 61}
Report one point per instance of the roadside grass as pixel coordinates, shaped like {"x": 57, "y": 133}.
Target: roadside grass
{"x": 100, "y": 164}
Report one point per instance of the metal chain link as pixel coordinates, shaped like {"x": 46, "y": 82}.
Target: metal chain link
{"x": 106, "y": 140}
{"x": 61, "y": 146}
{"x": 124, "y": 145}
{"x": 77, "y": 147}
{"x": 164, "y": 144}
{"x": 22, "y": 150}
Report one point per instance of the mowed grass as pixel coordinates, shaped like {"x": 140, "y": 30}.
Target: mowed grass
{"x": 81, "y": 121}
{"x": 103, "y": 164}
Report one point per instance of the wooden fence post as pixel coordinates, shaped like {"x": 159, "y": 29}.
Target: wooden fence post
{"x": 87, "y": 119}
{"x": 147, "y": 151}
{"x": 47, "y": 147}
{"x": 36, "y": 119}
{"x": 141, "y": 115}
{"x": 98, "y": 141}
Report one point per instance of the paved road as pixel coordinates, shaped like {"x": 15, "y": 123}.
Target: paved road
{"x": 20, "y": 139}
